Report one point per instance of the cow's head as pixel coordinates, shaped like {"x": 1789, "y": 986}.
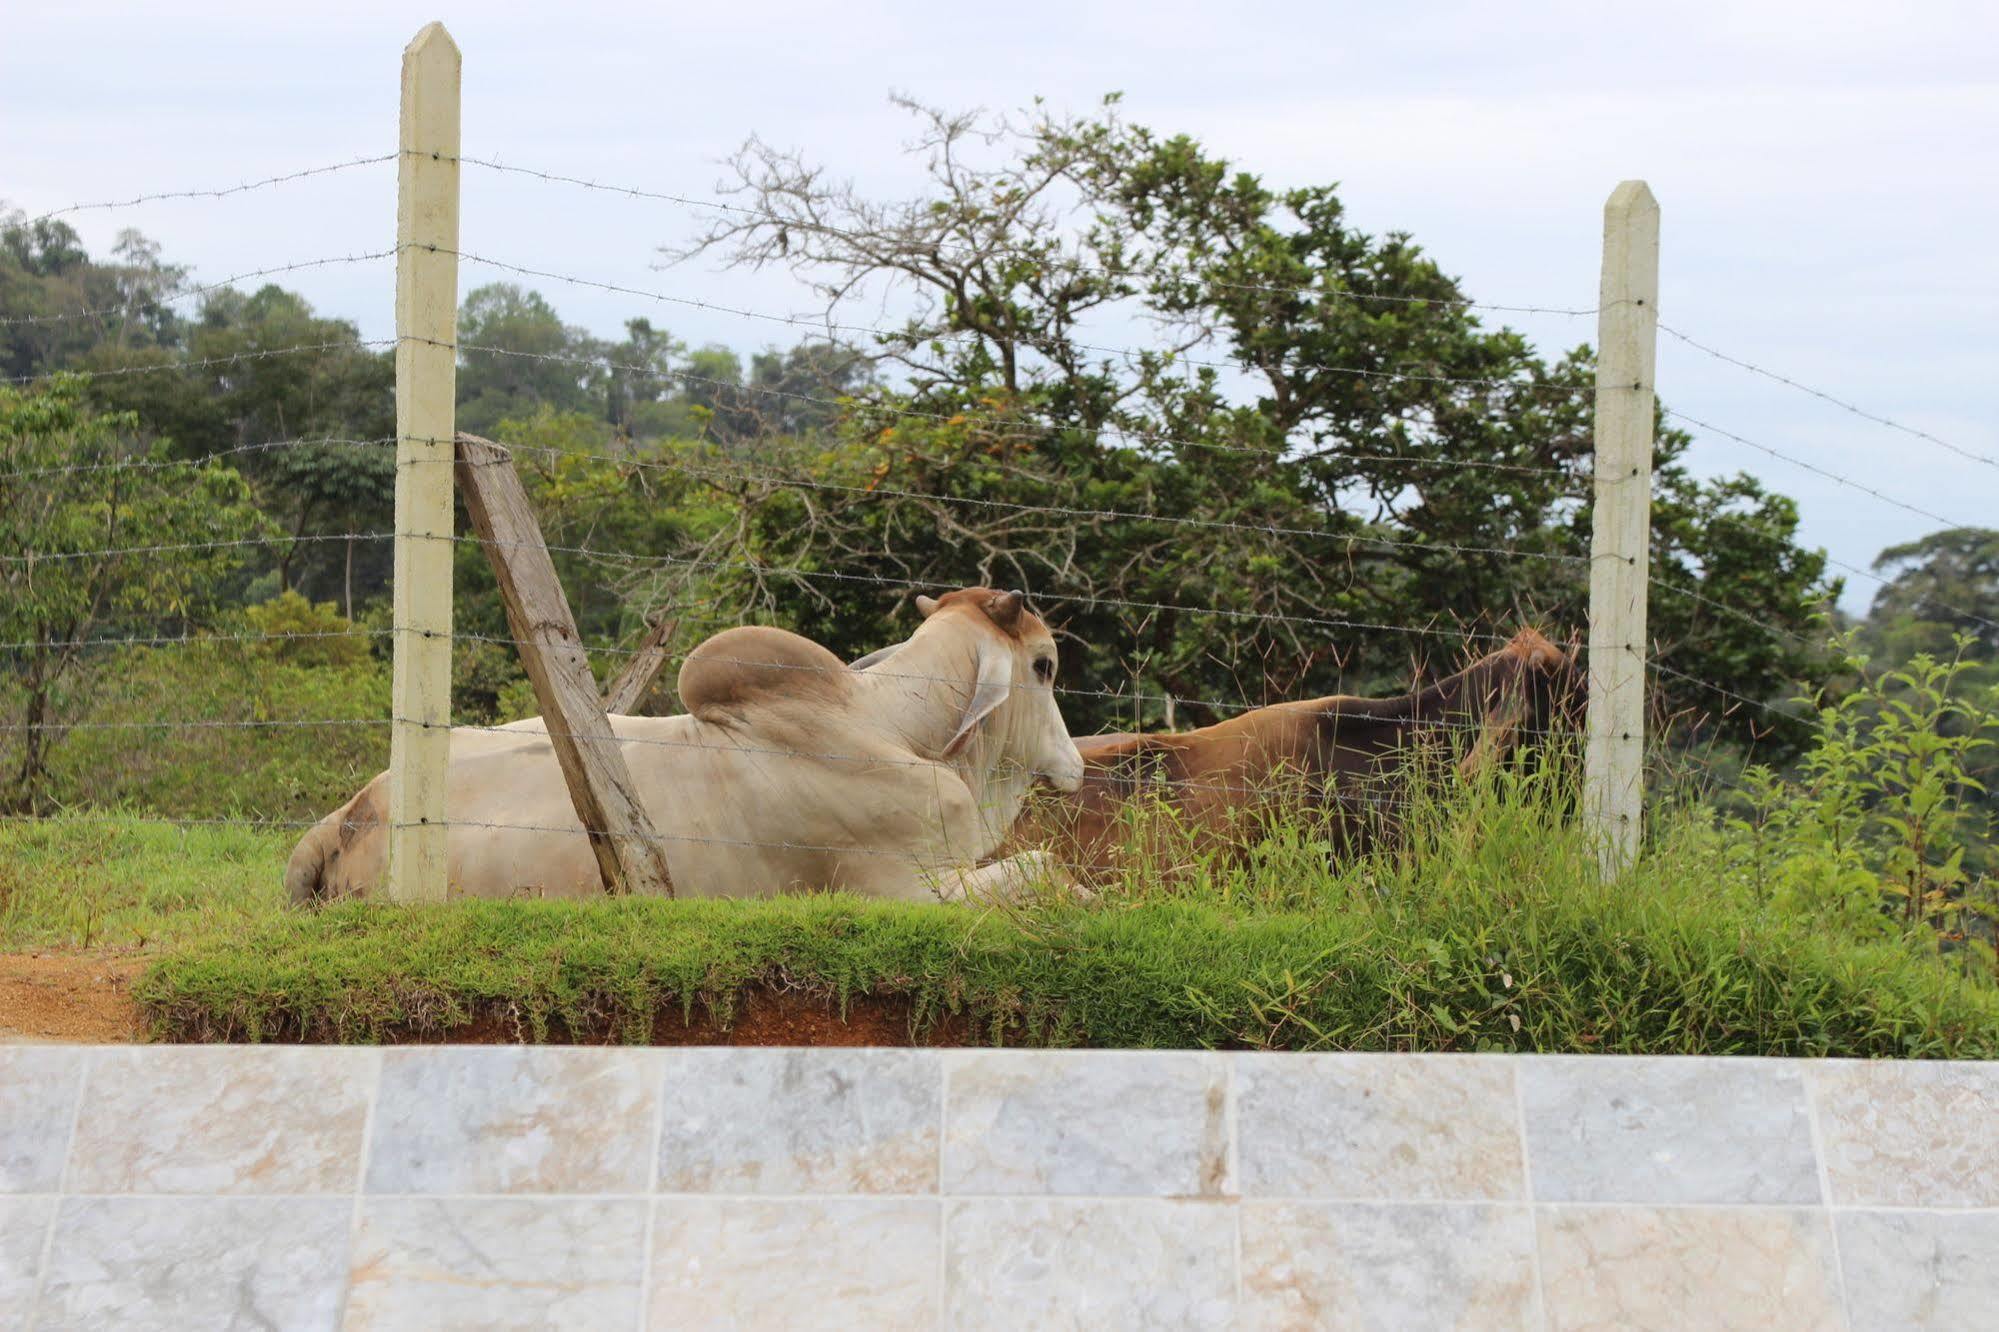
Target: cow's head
{"x": 1534, "y": 690}
{"x": 1009, "y": 717}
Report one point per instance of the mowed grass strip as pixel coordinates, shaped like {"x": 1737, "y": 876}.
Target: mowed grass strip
{"x": 1617, "y": 973}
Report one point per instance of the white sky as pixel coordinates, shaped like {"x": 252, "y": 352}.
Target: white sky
{"x": 1828, "y": 172}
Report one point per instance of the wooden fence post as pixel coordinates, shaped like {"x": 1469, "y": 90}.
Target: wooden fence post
{"x": 629, "y": 689}
{"x": 607, "y": 804}
{"x": 426, "y": 392}
{"x": 1621, "y": 531}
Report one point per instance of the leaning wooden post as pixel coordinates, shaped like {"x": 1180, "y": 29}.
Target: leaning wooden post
{"x": 601, "y": 790}
{"x": 1621, "y": 533}
{"x": 426, "y": 392}
{"x": 641, "y": 669}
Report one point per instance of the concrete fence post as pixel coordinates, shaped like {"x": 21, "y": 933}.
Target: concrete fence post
{"x": 426, "y": 394}
{"x": 1621, "y": 529}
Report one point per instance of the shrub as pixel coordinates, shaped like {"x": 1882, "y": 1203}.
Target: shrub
{"x": 272, "y": 739}
{"x": 305, "y": 633}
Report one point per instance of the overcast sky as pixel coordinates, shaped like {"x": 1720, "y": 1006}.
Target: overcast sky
{"x": 1827, "y": 172}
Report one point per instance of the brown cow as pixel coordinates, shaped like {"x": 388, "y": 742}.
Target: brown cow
{"x": 1338, "y": 754}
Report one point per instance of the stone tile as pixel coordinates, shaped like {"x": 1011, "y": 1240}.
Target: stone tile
{"x": 799, "y": 1121}
{"x": 497, "y": 1263}
{"x": 24, "y": 1224}
{"x": 1900, "y": 1133}
{"x": 210, "y": 1263}
{"x": 1766, "y": 1268}
{"x": 1052, "y": 1122}
{"x": 223, "y": 1119}
{"x": 1668, "y": 1130}
{"x": 38, "y": 1088}
{"x": 1052, "y": 1263}
{"x": 1919, "y": 1269}
{"x": 1387, "y": 1266}
{"x": 514, "y": 1119}
{"x": 1390, "y": 1127}
{"x": 836, "y": 1263}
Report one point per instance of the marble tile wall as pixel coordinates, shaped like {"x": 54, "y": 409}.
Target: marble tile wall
{"x": 501, "y": 1187}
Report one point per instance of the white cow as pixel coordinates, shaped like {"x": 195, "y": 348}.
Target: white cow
{"x": 791, "y": 771}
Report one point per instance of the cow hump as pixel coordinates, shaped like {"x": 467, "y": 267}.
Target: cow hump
{"x": 757, "y": 664}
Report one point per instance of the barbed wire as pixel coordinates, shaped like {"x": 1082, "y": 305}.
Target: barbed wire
{"x": 578, "y": 829}
{"x": 166, "y": 547}
{"x": 1120, "y": 515}
{"x": 221, "y": 193}
{"x": 1928, "y": 600}
{"x": 207, "y": 459}
{"x": 1121, "y": 433}
{"x": 821, "y": 228}
{"x": 203, "y": 363}
{"x": 802, "y": 321}
{"x": 195, "y": 640}
{"x": 611, "y": 650}
{"x": 1830, "y": 475}
{"x": 185, "y": 293}
{"x": 1358, "y": 719}
{"x": 1821, "y": 394}
{"x": 904, "y": 584}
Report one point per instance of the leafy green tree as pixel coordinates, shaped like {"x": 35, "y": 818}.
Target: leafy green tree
{"x": 89, "y": 552}
{"x": 508, "y": 335}
{"x": 77, "y": 304}
{"x": 1939, "y": 586}
{"x": 638, "y": 380}
{"x": 327, "y": 411}
{"x": 1375, "y": 478}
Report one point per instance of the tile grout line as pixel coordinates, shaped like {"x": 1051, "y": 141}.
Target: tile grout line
{"x": 1527, "y": 1193}
{"x": 1231, "y": 1064}
{"x": 1104, "y": 1199}
{"x": 1809, "y": 1082}
{"x": 83, "y": 1068}
{"x": 660, "y": 1072}
{"x": 380, "y": 1060}
{"x": 943, "y": 1201}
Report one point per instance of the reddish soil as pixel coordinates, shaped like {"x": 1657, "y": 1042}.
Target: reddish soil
{"x": 785, "y": 1017}
{"x": 85, "y": 997}
{"x": 82, "y": 997}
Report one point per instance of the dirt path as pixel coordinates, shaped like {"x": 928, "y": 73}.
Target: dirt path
{"x": 69, "y": 996}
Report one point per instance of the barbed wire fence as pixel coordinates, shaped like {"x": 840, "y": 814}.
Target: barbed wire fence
{"x": 426, "y": 445}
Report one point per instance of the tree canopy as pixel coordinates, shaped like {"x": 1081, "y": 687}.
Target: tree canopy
{"x": 1242, "y": 449}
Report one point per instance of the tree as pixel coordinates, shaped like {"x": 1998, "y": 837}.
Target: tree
{"x": 1941, "y": 604}
{"x": 1320, "y": 469}
{"x": 75, "y": 303}
{"x": 88, "y": 547}
{"x": 517, "y": 355}
{"x": 1939, "y": 586}
{"x": 319, "y": 424}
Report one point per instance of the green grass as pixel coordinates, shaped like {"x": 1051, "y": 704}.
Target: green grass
{"x": 1486, "y": 930}
{"x": 108, "y": 880}
{"x": 1616, "y": 973}
{"x": 274, "y": 765}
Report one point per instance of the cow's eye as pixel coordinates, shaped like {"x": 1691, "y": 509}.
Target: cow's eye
{"x": 1044, "y": 668}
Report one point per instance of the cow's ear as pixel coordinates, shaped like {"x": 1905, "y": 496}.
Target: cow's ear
{"x": 1003, "y": 609}
{"x": 995, "y": 682}
{"x": 926, "y": 606}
